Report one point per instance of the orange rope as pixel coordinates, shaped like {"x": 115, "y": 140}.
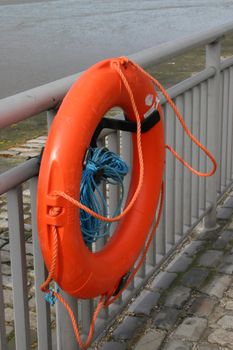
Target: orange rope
{"x": 187, "y": 131}
{"x": 116, "y": 64}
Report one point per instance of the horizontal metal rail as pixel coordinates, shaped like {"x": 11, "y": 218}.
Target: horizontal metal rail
{"x": 19, "y": 174}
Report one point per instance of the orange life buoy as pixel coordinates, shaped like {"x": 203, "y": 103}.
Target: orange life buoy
{"x": 80, "y": 272}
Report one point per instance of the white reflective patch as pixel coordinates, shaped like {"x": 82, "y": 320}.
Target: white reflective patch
{"x": 149, "y": 112}
{"x": 149, "y": 100}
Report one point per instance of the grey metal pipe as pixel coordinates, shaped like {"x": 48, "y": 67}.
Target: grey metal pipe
{"x": 31, "y": 102}
{"x": 17, "y": 175}
{"x": 226, "y": 63}
{"x": 189, "y": 83}
{"x": 159, "y": 54}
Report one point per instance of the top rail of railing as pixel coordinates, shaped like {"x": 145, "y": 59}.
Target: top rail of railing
{"x": 31, "y": 102}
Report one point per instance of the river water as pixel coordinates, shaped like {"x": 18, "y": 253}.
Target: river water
{"x": 41, "y": 41}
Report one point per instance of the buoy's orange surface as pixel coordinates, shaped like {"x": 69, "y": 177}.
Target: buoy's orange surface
{"x": 80, "y": 272}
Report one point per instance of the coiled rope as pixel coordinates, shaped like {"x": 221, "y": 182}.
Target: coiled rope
{"x": 101, "y": 166}
{"x": 107, "y": 300}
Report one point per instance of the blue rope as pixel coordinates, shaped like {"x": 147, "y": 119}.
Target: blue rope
{"x": 101, "y": 165}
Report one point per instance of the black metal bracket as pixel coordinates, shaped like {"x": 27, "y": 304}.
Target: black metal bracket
{"x": 122, "y": 283}
{"x": 125, "y": 125}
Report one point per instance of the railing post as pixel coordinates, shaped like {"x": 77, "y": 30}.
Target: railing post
{"x": 213, "y": 51}
{"x": 50, "y": 116}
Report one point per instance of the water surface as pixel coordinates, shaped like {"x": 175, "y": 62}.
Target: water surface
{"x": 45, "y": 40}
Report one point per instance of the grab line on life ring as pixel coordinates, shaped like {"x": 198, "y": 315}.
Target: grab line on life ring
{"x": 56, "y": 211}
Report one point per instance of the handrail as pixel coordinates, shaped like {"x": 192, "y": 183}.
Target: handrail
{"x": 19, "y": 174}
{"x": 31, "y": 102}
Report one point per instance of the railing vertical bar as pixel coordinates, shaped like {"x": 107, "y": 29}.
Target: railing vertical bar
{"x": 3, "y": 341}
{"x": 213, "y": 51}
{"x": 203, "y": 137}
{"x": 179, "y": 171}
{"x": 126, "y": 154}
{"x": 65, "y": 337}
{"x": 231, "y": 121}
{"x": 195, "y": 151}
{"x": 187, "y": 195}
{"x": 113, "y": 191}
{"x": 160, "y": 237}
{"x": 170, "y": 175}
{"x": 87, "y": 308}
{"x": 42, "y": 307}
{"x": 220, "y": 132}
{"x": 229, "y": 128}
{"x": 113, "y": 145}
{"x": 18, "y": 268}
{"x": 50, "y": 116}
{"x": 224, "y": 129}
{"x": 101, "y": 242}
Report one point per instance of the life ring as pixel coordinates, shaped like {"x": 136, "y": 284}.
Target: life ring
{"x": 80, "y": 272}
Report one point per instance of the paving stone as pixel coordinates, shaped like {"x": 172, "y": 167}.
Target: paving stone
{"x": 191, "y": 328}
{"x": 193, "y": 248}
{"x": 20, "y": 149}
{"x": 29, "y": 248}
{"x": 30, "y": 154}
{"x": 226, "y": 268}
{"x": 6, "y": 269}
{"x": 114, "y": 346}
{"x": 4, "y": 215}
{"x": 178, "y": 345}
{"x": 194, "y": 277}
{"x": 229, "y": 305}
{"x": 2, "y": 243}
{"x": 177, "y": 297}
{"x": 207, "y": 347}
{"x": 227, "y": 265}
{"x": 216, "y": 314}
{"x": 7, "y": 281}
{"x": 8, "y": 153}
{"x": 38, "y": 141}
{"x": 226, "y": 322}
{"x": 210, "y": 258}
{"x": 3, "y": 224}
{"x": 163, "y": 280}
{"x": 166, "y": 318}
{"x": 127, "y": 329}
{"x": 5, "y": 256}
{"x": 229, "y": 293}
{"x": 208, "y": 235}
{"x": 221, "y": 337}
{"x": 217, "y": 286}
{"x": 223, "y": 240}
{"x": 224, "y": 213}
{"x": 9, "y": 314}
{"x": 151, "y": 340}
{"x": 229, "y": 202}
{"x": 202, "y": 306}
{"x": 33, "y": 320}
{"x": 145, "y": 303}
{"x": 179, "y": 264}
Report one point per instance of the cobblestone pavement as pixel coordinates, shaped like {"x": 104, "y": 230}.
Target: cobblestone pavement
{"x": 189, "y": 304}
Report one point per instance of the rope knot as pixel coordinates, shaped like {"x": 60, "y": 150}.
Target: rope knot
{"x": 55, "y": 211}
{"x": 120, "y": 61}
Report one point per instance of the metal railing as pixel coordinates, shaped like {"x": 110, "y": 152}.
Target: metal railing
{"x": 206, "y": 102}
